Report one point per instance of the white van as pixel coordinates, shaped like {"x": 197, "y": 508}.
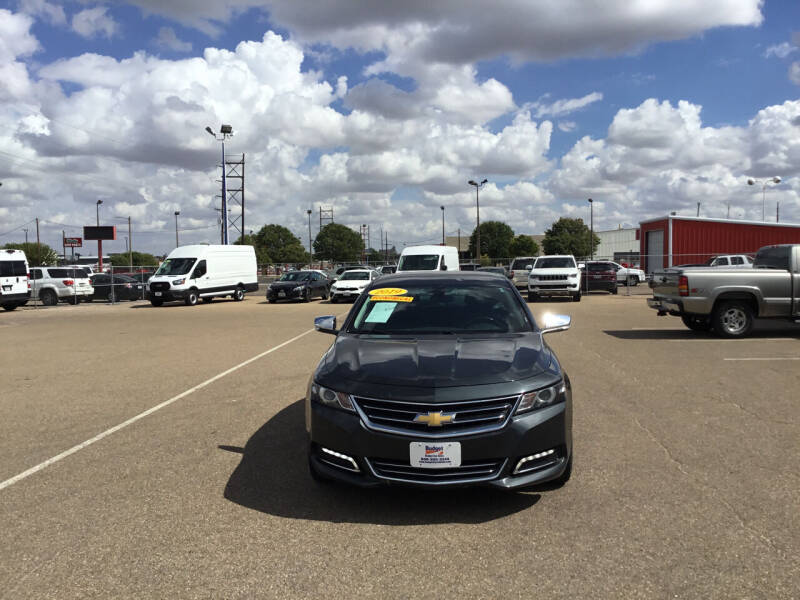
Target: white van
{"x": 203, "y": 272}
{"x": 14, "y": 288}
{"x": 428, "y": 258}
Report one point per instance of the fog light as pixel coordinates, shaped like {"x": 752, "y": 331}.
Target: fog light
{"x": 337, "y": 459}
{"x": 535, "y": 461}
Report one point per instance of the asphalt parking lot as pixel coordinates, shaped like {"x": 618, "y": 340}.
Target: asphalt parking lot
{"x": 686, "y": 481}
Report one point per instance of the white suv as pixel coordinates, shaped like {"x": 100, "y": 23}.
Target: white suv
{"x": 555, "y": 275}
{"x": 51, "y": 284}
{"x": 351, "y": 284}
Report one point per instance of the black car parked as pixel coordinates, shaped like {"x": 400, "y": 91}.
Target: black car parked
{"x": 436, "y": 380}
{"x": 299, "y": 285}
{"x": 125, "y": 287}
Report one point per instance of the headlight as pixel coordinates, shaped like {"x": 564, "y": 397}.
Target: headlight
{"x": 333, "y": 287}
{"x": 329, "y": 397}
{"x": 572, "y": 275}
{"x": 178, "y": 281}
{"x": 299, "y": 288}
{"x": 541, "y": 398}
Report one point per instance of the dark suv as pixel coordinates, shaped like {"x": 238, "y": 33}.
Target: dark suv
{"x": 599, "y": 275}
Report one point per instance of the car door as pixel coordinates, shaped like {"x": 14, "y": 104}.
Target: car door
{"x": 201, "y": 276}
{"x": 36, "y": 276}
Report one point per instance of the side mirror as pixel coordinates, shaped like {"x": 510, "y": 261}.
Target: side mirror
{"x": 444, "y": 267}
{"x": 552, "y": 323}
{"x": 528, "y": 267}
{"x": 326, "y": 324}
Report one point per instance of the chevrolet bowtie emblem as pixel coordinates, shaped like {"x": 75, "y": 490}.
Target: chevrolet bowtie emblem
{"x": 435, "y": 419}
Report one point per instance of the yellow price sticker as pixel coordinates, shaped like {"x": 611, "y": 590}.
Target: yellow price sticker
{"x": 388, "y": 292}
{"x": 392, "y": 298}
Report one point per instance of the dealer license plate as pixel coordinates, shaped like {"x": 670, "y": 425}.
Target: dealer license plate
{"x": 281, "y": 294}
{"x": 158, "y": 293}
{"x": 435, "y": 455}
{"x": 7, "y": 288}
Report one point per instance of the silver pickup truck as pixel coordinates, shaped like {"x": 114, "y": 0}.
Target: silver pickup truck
{"x": 727, "y": 300}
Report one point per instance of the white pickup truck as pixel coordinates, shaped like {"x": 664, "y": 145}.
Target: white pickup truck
{"x": 554, "y": 275}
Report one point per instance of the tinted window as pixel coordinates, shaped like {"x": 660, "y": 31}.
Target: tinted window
{"x": 522, "y": 263}
{"x": 600, "y": 267}
{"x": 295, "y": 276}
{"x": 773, "y": 257}
{"x": 200, "y": 269}
{"x": 12, "y": 268}
{"x": 176, "y": 266}
{"x": 558, "y": 262}
{"x": 58, "y": 273}
{"x": 447, "y": 307}
{"x": 737, "y": 260}
{"x": 418, "y": 262}
{"x": 36, "y": 274}
{"x": 354, "y": 275}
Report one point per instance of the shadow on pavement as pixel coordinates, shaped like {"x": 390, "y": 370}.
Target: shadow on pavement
{"x": 763, "y": 329}
{"x": 273, "y": 478}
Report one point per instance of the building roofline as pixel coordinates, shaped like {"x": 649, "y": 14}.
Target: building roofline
{"x": 712, "y": 220}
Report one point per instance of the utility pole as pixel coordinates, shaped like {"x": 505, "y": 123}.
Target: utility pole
{"x": 130, "y": 244}
{"x": 478, "y": 186}
{"x": 310, "y": 251}
{"x": 38, "y": 243}
{"x": 591, "y": 231}
{"x": 459, "y": 242}
{"x": 26, "y": 235}
{"x": 698, "y": 209}
{"x": 177, "y": 212}
{"x": 64, "y": 244}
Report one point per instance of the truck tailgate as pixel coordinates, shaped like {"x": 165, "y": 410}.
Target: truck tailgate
{"x": 665, "y": 283}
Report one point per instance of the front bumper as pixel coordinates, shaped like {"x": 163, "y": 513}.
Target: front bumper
{"x": 166, "y": 295}
{"x": 544, "y": 288}
{"x": 288, "y": 294}
{"x": 345, "y": 294}
{"x": 525, "y": 435}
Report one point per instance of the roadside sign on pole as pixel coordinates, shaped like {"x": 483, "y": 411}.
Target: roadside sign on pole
{"x": 73, "y": 242}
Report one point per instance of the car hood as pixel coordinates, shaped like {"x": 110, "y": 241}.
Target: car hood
{"x": 564, "y": 271}
{"x": 436, "y": 361}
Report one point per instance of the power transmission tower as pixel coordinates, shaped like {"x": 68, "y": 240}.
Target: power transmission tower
{"x": 325, "y": 216}
{"x": 234, "y": 175}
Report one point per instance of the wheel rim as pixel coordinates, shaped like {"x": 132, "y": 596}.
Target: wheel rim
{"x": 734, "y": 320}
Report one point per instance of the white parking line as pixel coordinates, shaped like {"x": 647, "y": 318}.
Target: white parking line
{"x": 717, "y": 340}
{"x": 767, "y": 358}
{"x": 149, "y": 411}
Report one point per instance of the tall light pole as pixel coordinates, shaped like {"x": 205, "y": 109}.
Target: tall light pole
{"x": 478, "y": 186}
{"x": 225, "y": 131}
{"x": 764, "y": 184}
{"x": 310, "y": 253}
{"x": 25, "y": 229}
{"x": 99, "y": 242}
{"x": 443, "y": 242}
{"x": 177, "y": 212}
{"x": 591, "y": 229}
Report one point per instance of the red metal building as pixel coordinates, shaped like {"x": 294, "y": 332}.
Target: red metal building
{"x": 674, "y": 240}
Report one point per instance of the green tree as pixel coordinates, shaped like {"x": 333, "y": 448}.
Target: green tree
{"x": 262, "y": 256}
{"x": 38, "y": 255}
{"x": 280, "y": 244}
{"x": 339, "y": 243}
{"x": 496, "y": 238}
{"x": 569, "y": 236}
{"x": 524, "y": 245}
{"x": 140, "y": 259}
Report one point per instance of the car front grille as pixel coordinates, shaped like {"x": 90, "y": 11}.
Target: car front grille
{"x": 159, "y": 286}
{"x": 551, "y": 277}
{"x": 346, "y": 289}
{"x": 469, "y": 471}
{"x": 549, "y": 286}
{"x": 446, "y": 418}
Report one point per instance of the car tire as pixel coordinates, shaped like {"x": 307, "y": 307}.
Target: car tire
{"x": 333, "y": 299}
{"x": 733, "y": 319}
{"x": 615, "y": 290}
{"x": 271, "y": 300}
{"x": 324, "y": 295}
{"x": 10, "y": 306}
{"x": 155, "y": 302}
{"x": 697, "y": 322}
{"x": 238, "y": 295}
{"x": 48, "y": 297}
{"x": 576, "y": 297}
{"x": 633, "y": 280}
{"x": 533, "y": 297}
{"x": 208, "y": 300}
{"x": 191, "y": 298}
{"x": 306, "y": 295}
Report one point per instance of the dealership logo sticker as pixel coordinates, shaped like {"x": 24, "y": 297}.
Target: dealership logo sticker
{"x": 434, "y": 450}
{"x": 388, "y": 292}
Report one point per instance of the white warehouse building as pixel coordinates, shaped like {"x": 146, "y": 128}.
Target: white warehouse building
{"x": 619, "y": 245}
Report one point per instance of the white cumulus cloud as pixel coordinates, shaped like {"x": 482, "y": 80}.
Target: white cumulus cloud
{"x": 92, "y": 22}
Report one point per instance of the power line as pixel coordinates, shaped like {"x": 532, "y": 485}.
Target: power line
{"x": 5, "y": 233}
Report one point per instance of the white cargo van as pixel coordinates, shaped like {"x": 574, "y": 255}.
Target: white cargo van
{"x": 14, "y": 290}
{"x": 428, "y": 258}
{"x": 203, "y": 272}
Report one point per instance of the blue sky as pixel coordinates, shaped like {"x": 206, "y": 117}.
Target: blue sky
{"x": 604, "y": 104}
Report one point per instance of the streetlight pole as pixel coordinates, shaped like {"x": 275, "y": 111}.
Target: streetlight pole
{"x": 591, "y": 229}
{"x": 177, "y": 212}
{"x": 99, "y": 242}
{"x": 225, "y": 131}
{"x": 26, "y": 235}
{"x": 776, "y": 180}
{"x": 478, "y": 186}
{"x": 443, "y": 242}
{"x": 310, "y": 252}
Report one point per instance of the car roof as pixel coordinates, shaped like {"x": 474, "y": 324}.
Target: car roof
{"x": 423, "y": 277}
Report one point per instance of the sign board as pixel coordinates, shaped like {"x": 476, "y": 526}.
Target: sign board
{"x": 73, "y": 242}
{"x": 100, "y": 232}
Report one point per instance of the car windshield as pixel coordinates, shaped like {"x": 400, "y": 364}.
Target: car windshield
{"x": 295, "y": 276}
{"x": 520, "y": 264}
{"x": 176, "y": 266}
{"x": 351, "y": 275}
{"x": 600, "y": 267}
{"x": 446, "y": 307}
{"x": 418, "y": 262}
{"x": 555, "y": 262}
{"x": 499, "y": 270}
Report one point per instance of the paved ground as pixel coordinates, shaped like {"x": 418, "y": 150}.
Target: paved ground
{"x": 686, "y": 482}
